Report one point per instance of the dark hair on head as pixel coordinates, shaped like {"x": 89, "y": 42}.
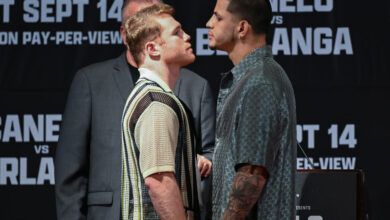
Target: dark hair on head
{"x": 258, "y": 13}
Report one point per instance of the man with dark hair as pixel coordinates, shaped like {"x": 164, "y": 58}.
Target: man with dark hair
{"x": 88, "y": 155}
{"x": 158, "y": 159}
{"x": 255, "y": 153}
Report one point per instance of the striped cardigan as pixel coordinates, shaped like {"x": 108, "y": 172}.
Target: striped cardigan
{"x": 136, "y": 203}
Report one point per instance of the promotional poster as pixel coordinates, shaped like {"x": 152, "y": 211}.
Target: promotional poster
{"x": 334, "y": 52}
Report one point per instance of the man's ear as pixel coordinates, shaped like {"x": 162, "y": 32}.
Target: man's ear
{"x": 242, "y": 29}
{"x": 152, "y": 49}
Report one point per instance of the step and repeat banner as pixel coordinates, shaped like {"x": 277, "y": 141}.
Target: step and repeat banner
{"x": 335, "y": 53}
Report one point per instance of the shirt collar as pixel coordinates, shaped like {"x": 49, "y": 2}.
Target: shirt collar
{"x": 153, "y": 76}
{"x": 250, "y": 60}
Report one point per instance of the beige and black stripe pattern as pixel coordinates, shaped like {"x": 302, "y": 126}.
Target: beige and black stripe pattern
{"x": 136, "y": 203}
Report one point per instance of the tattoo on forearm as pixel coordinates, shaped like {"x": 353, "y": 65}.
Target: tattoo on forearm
{"x": 245, "y": 192}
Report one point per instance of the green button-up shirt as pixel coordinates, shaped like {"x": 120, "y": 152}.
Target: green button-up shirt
{"x": 256, "y": 124}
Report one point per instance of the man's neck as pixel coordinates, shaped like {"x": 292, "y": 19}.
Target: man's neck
{"x": 244, "y": 47}
{"x": 168, "y": 73}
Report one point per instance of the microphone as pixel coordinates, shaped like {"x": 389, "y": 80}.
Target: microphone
{"x": 304, "y": 153}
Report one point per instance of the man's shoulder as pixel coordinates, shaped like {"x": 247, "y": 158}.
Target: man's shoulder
{"x": 269, "y": 77}
{"x": 102, "y": 67}
{"x": 268, "y": 72}
{"x": 148, "y": 94}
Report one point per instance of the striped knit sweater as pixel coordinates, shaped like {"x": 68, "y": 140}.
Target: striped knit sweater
{"x": 136, "y": 203}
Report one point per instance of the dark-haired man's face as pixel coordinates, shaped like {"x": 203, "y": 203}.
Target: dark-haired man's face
{"x": 222, "y": 27}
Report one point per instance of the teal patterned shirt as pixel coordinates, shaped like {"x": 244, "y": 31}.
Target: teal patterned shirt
{"x": 256, "y": 124}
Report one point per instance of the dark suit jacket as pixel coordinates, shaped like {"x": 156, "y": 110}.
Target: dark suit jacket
{"x": 88, "y": 155}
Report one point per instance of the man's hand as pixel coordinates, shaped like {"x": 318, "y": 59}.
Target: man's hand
{"x": 204, "y": 166}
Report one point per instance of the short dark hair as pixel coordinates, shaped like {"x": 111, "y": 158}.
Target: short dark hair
{"x": 142, "y": 27}
{"x": 258, "y": 13}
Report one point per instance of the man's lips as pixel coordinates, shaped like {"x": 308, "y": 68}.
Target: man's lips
{"x": 210, "y": 35}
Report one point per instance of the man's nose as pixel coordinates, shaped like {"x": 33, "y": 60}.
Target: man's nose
{"x": 186, "y": 37}
{"x": 209, "y": 23}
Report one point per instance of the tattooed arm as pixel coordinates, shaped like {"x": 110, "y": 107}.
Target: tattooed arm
{"x": 246, "y": 190}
